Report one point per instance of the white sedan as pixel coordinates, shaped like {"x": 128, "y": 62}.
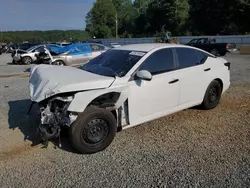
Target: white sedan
{"x": 122, "y": 88}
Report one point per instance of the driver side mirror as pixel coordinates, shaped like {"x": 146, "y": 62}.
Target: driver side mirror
{"x": 144, "y": 75}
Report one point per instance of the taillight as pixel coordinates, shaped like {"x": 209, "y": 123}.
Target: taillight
{"x": 227, "y": 46}
{"x": 228, "y": 64}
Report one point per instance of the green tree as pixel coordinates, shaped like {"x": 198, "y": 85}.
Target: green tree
{"x": 126, "y": 17}
{"x": 242, "y": 17}
{"x": 43, "y": 36}
{"x": 219, "y": 17}
{"x": 100, "y": 21}
{"x": 141, "y": 21}
{"x": 171, "y": 13}
{"x": 141, "y": 6}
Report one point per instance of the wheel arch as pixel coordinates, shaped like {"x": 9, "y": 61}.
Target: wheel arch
{"x": 220, "y": 81}
{"x": 94, "y": 97}
{"x": 216, "y": 79}
{"x": 105, "y": 100}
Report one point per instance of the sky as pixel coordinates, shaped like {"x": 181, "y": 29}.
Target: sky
{"x": 18, "y": 15}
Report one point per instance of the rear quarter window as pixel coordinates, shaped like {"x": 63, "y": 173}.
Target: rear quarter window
{"x": 202, "y": 57}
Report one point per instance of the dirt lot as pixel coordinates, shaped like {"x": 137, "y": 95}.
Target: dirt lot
{"x": 192, "y": 148}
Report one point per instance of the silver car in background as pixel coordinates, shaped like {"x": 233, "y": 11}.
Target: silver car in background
{"x": 77, "y": 53}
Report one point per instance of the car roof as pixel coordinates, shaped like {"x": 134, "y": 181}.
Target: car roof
{"x": 147, "y": 46}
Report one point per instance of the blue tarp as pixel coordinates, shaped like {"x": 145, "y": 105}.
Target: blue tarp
{"x": 75, "y": 49}
{"x": 54, "y": 47}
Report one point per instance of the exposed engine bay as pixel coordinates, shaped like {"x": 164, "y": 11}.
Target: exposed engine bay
{"x": 54, "y": 116}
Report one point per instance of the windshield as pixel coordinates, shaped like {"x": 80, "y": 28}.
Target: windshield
{"x": 113, "y": 62}
{"x": 32, "y": 48}
{"x": 193, "y": 41}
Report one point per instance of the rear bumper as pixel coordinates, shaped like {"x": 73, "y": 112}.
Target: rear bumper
{"x": 232, "y": 50}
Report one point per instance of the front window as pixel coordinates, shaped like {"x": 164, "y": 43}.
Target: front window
{"x": 113, "y": 62}
{"x": 159, "y": 62}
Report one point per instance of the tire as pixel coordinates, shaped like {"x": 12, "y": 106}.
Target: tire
{"x": 27, "y": 60}
{"x": 223, "y": 54}
{"x": 212, "y": 96}
{"x": 93, "y": 131}
{"x": 214, "y": 52}
{"x": 59, "y": 63}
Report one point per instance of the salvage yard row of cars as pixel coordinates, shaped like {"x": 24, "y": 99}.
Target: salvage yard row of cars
{"x": 58, "y": 55}
{"x": 122, "y": 87}
{"x": 68, "y": 54}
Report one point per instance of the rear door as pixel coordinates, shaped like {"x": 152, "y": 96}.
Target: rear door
{"x": 192, "y": 78}
{"x": 81, "y": 54}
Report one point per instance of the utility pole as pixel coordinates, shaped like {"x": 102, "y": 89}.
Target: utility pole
{"x": 116, "y": 25}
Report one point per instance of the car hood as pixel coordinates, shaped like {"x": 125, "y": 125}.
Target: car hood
{"x": 48, "y": 80}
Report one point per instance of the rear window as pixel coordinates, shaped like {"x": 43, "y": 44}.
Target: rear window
{"x": 187, "y": 57}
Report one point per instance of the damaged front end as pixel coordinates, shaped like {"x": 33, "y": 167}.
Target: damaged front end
{"x": 54, "y": 116}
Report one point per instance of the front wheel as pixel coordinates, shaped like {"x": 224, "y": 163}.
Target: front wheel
{"x": 212, "y": 96}
{"x": 93, "y": 131}
{"x": 27, "y": 60}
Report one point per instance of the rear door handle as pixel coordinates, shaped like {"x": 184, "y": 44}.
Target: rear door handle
{"x": 207, "y": 69}
{"x": 174, "y": 81}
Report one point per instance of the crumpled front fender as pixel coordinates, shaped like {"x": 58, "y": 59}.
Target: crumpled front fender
{"x": 83, "y": 99}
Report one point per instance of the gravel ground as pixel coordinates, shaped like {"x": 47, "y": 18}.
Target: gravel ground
{"x": 192, "y": 148}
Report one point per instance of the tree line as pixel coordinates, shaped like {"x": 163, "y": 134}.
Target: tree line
{"x": 44, "y": 36}
{"x": 147, "y": 18}
{"x": 181, "y": 17}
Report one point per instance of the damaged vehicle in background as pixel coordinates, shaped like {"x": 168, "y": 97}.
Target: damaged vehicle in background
{"x": 29, "y": 56}
{"x": 122, "y": 88}
{"x": 115, "y": 45}
{"x": 8, "y": 48}
{"x": 76, "y": 53}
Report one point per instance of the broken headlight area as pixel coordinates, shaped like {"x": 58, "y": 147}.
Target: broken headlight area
{"x": 54, "y": 117}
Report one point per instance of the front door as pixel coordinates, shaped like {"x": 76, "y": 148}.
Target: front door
{"x": 149, "y": 100}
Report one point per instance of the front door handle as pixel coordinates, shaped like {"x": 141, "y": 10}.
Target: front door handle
{"x": 208, "y": 69}
{"x": 174, "y": 81}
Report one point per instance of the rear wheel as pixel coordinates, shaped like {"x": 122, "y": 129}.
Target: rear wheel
{"x": 27, "y": 60}
{"x": 223, "y": 54}
{"x": 214, "y": 52}
{"x": 59, "y": 63}
{"x": 93, "y": 131}
{"x": 212, "y": 96}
